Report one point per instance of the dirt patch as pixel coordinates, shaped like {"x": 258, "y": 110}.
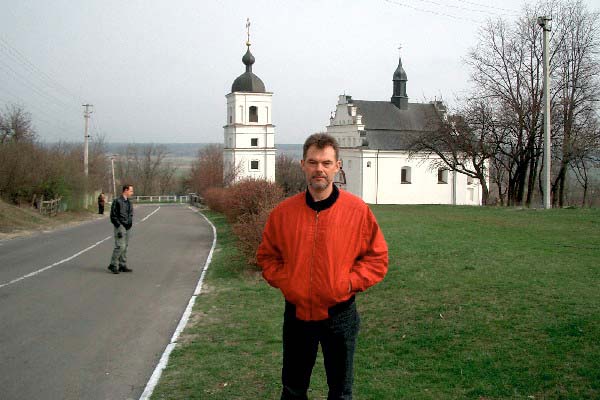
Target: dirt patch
{"x": 25, "y": 221}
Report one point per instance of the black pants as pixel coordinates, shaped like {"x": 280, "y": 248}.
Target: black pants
{"x": 100, "y": 208}
{"x": 301, "y": 339}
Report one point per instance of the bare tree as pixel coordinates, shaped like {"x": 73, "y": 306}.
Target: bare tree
{"x": 207, "y": 169}
{"x": 289, "y": 175}
{"x": 16, "y": 125}
{"x": 576, "y": 87}
{"x": 507, "y": 70}
{"x": 463, "y": 142}
{"x": 146, "y": 168}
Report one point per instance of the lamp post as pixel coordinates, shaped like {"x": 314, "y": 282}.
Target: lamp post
{"x": 544, "y": 23}
{"x": 112, "y": 165}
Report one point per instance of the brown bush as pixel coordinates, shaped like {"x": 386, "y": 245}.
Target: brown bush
{"x": 251, "y": 196}
{"x": 246, "y": 206}
{"x": 216, "y": 199}
{"x": 249, "y": 229}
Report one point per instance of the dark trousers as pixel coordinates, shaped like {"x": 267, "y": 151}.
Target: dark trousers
{"x": 301, "y": 339}
{"x": 100, "y": 208}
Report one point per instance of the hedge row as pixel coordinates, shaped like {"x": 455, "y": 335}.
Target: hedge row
{"x": 246, "y": 205}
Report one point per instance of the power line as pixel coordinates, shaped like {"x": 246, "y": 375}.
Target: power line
{"x": 442, "y": 14}
{"x": 457, "y": 8}
{"x": 511, "y": 11}
{"x": 17, "y": 55}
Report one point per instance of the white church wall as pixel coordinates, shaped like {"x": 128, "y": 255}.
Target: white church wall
{"x": 239, "y": 103}
{"x": 351, "y": 164}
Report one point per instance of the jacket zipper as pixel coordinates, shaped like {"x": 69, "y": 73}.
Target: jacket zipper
{"x": 312, "y": 263}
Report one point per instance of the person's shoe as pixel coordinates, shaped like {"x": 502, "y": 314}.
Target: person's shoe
{"x": 113, "y": 269}
{"x": 125, "y": 269}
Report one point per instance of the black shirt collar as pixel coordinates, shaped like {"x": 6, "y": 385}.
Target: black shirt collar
{"x": 323, "y": 204}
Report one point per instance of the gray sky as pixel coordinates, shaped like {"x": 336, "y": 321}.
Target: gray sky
{"x": 158, "y": 71}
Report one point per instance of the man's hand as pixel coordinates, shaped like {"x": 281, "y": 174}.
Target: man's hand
{"x": 120, "y": 235}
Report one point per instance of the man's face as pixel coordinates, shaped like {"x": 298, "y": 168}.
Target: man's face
{"x": 129, "y": 192}
{"x": 320, "y": 167}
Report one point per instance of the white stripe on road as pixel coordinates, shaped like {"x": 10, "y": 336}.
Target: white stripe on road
{"x": 164, "y": 359}
{"x": 34, "y": 273}
{"x": 39, "y": 271}
{"x": 149, "y": 215}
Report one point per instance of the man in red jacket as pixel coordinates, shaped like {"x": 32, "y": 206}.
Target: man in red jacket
{"x": 320, "y": 248}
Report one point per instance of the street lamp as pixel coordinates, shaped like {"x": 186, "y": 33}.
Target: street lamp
{"x": 112, "y": 165}
{"x": 545, "y": 24}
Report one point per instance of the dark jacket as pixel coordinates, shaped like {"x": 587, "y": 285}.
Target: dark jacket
{"x": 121, "y": 213}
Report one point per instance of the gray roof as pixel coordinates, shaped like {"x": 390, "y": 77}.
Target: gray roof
{"x": 248, "y": 82}
{"x": 390, "y": 128}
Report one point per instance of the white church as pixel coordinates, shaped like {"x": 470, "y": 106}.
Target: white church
{"x": 374, "y": 149}
{"x": 373, "y": 138}
{"x": 249, "y": 146}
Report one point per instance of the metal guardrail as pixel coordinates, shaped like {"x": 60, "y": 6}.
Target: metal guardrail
{"x": 161, "y": 199}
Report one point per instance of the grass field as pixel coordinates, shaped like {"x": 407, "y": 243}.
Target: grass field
{"x": 479, "y": 303}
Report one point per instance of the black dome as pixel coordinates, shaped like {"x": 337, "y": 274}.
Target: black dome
{"x": 248, "y": 81}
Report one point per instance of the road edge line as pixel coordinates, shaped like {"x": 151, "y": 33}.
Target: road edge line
{"x": 164, "y": 359}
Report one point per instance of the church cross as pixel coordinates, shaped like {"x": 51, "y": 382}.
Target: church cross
{"x": 248, "y": 30}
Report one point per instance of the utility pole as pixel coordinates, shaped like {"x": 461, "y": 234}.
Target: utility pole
{"x": 86, "y": 116}
{"x": 544, "y": 23}
{"x": 112, "y": 164}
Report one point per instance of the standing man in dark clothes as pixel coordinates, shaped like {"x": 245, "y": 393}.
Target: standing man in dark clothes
{"x": 101, "y": 202}
{"x": 121, "y": 216}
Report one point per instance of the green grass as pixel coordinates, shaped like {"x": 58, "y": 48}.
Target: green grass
{"x": 479, "y": 303}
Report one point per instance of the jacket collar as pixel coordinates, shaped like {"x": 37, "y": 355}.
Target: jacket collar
{"x": 323, "y": 204}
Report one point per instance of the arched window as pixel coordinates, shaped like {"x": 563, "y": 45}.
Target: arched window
{"x": 405, "y": 175}
{"x": 253, "y": 114}
{"x": 442, "y": 175}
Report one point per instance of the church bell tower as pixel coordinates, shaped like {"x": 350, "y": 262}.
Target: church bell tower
{"x": 249, "y": 149}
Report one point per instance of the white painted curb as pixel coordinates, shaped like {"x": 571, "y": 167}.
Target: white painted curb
{"x": 164, "y": 359}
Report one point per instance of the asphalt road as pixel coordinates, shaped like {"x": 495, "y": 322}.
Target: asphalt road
{"x": 76, "y": 331}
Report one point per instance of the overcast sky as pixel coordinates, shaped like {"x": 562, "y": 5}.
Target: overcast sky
{"x": 158, "y": 71}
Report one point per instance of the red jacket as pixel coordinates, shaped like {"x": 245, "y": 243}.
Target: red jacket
{"x": 313, "y": 256}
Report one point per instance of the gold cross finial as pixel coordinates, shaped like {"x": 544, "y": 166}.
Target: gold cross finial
{"x": 248, "y": 31}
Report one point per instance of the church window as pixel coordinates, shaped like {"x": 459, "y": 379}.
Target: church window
{"x": 253, "y": 114}
{"x": 230, "y": 119}
{"x": 368, "y": 164}
{"x": 254, "y": 165}
{"x": 405, "y": 175}
{"x": 442, "y": 175}
{"x": 469, "y": 180}
{"x": 254, "y": 142}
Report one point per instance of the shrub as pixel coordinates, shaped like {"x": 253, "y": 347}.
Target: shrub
{"x": 246, "y": 206}
{"x": 249, "y": 230}
{"x": 216, "y": 199}
{"x": 251, "y": 196}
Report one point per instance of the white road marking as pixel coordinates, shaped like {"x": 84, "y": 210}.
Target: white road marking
{"x": 34, "y": 273}
{"x": 164, "y": 359}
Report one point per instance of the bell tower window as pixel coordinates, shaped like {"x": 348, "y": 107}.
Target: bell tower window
{"x": 253, "y": 114}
